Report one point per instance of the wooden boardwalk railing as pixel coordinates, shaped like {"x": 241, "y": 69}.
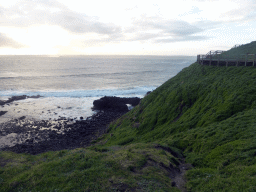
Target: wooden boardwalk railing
{"x": 216, "y": 58}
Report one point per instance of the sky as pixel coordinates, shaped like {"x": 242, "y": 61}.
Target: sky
{"x": 115, "y": 27}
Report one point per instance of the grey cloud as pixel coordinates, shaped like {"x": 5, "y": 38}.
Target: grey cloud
{"x": 208, "y": 24}
{"x": 8, "y": 42}
{"x": 145, "y": 36}
{"x": 166, "y": 31}
{"x": 246, "y": 12}
{"x": 194, "y": 10}
{"x": 179, "y": 28}
{"x": 179, "y": 39}
{"x": 34, "y": 12}
{"x": 78, "y": 23}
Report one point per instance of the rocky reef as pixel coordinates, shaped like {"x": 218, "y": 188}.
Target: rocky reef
{"x": 35, "y": 137}
{"x": 115, "y": 103}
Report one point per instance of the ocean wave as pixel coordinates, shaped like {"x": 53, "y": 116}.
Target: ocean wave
{"x": 83, "y": 75}
{"x": 134, "y": 91}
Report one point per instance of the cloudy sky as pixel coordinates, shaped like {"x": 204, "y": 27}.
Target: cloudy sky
{"x": 134, "y": 27}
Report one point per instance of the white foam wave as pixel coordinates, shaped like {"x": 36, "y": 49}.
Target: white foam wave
{"x": 135, "y": 91}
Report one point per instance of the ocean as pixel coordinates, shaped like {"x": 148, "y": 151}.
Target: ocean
{"x": 69, "y": 84}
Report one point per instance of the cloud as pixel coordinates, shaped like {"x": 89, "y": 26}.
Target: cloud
{"x": 166, "y": 31}
{"x": 156, "y": 29}
{"x": 35, "y": 12}
{"x": 180, "y": 39}
{"x": 245, "y": 12}
{"x": 205, "y": 0}
{"x": 27, "y": 13}
{"x": 8, "y": 42}
{"x": 194, "y": 10}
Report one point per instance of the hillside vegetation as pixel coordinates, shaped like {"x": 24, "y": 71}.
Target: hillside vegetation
{"x": 204, "y": 116}
{"x": 240, "y": 52}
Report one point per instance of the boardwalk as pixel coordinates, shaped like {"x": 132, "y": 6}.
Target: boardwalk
{"x": 217, "y": 58}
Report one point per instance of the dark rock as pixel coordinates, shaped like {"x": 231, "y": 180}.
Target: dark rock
{"x": 115, "y": 103}
{"x": 16, "y": 98}
{"x": 35, "y": 97}
{"x": 78, "y": 134}
{"x": 29, "y": 141}
{"x": 23, "y": 117}
{"x": 3, "y": 112}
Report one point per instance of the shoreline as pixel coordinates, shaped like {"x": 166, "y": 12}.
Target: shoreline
{"x": 47, "y": 108}
{"x": 24, "y": 135}
{"x": 68, "y": 136}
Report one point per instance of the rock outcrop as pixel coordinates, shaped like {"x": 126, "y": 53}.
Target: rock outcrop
{"x": 115, "y": 103}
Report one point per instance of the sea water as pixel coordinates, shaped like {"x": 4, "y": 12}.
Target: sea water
{"x": 69, "y": 84}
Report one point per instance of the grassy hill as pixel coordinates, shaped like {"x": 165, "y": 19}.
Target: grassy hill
{"x": 205, "y": 117}
{"x": 239, "y": 52}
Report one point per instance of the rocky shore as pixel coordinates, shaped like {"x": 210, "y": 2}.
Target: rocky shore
{"x": 35, "y": 137}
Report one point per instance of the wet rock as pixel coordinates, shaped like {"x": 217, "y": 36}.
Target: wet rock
{"x": 3, "y": 112}
{"x": 29, "y": 141}
{"x": 115, "y": 103}
{"x": 23, "y": 117}
{"x": 35, "y": 97}
{"x": 69, "y": 136}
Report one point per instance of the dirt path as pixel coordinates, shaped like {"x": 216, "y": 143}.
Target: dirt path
{"x": 179, "y": 178}
{"x": 177, "y": 174}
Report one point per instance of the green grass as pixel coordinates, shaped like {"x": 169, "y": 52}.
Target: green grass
{"x": 209, "y": 113}
{"x": 239, "y": 52}
{"x": 204, "y": 115}
{"x": 133, "y": 167}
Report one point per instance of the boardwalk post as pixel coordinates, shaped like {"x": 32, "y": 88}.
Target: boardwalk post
{"x": 254, "y": 60}
{"x": 210, "y": 60}
{"x": 218, "y": 61}
{"x": 246, "y": 60}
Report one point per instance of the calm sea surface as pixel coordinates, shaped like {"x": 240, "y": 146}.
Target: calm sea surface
{"x": 73, "y": 81}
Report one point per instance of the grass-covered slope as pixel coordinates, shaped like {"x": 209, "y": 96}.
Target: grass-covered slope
{"x": 205, "y": 116}
{"x": 210, "y": 114}
{"x": 139, "y": 167}
{"x": 239, "y": 52}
